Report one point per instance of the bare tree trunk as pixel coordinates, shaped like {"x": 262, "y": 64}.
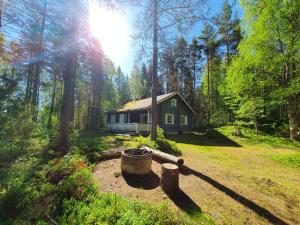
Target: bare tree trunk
{"x": 38, "y": 65}
{"x": 154, "y": 75}
{"x": 208, "y": 88}
{"x": 69, "y": 85}
{"x": 293, "y": 110}
{"x": 49, "y": 126}
{"x": 29, "y": 82}
{"x": 1, "y": 12}
{"x": 96, "y": 83}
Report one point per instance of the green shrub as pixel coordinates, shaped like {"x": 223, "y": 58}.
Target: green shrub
{"x": 160, "y": 132}
{"x": 161, "y": 143}
{"x": 113, "y": 209}
{"x": 144, "y": 141}
{"x": 168, "y": 146}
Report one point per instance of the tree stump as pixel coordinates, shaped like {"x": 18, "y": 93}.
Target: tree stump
{"x": 169, "y": 181}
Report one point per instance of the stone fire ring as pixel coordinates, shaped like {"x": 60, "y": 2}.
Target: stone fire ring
{"x": 136, "y": 161}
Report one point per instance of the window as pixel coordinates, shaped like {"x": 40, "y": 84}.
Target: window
{"x": 113, "y": 118}
{"x": 184, "y": 120}
{"x": 169, "y": 118}
{"x": 173, "y": 102}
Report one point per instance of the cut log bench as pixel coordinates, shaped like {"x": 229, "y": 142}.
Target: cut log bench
{"x": 164, "y": 157}
{"x": 169, "y": 180}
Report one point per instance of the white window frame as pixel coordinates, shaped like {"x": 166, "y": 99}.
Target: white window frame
{"x": 185, "y": 119}
{"x": 173, "y": 102}
{"x": 166, "y": 118}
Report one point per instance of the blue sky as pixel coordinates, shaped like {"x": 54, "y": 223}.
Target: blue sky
{"x": 127, "y": 61}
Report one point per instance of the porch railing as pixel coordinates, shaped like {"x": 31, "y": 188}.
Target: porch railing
{"x": 128, "y": 127}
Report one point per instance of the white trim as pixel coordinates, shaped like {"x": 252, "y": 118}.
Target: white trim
{"x": 166, "y": 118}
{"x": 185, "y": 118}
{"x": 175, "y": 93}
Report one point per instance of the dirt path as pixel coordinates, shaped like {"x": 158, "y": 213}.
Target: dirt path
{"x": 228, "y": 193}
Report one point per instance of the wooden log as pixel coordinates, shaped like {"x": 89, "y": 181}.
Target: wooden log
{"x": 165, "y": 157}
{"x": 169, "y": 180}
{"x": 109, "y": 154}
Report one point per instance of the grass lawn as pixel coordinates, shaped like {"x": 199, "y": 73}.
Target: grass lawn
{"x": 236, "y": 180}
{"x": 244, "y": 180}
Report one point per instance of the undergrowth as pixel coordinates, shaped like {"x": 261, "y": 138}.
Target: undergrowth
{"x": 161, "y": 143}
{"x": 250, "y": 137}
{"x": 42, "y": 188}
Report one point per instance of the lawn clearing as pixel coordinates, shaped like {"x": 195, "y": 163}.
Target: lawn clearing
{"x": 244, "y": 182}
{"x": 234, "y": 181}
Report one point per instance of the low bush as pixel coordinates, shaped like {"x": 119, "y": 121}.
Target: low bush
{"x": 161, "y": 143}
{"x": 113, "y": 209}
{"x": 168, "y": 146}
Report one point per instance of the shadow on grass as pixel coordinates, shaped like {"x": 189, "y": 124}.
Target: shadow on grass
{"x": 209, "y": 138}
{"x": 184, "y": 202}
{"x": 147, "y": 182}
{"x": 241, "y": 199}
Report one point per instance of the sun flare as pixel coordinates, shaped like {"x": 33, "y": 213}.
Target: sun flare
{"x": 110, "y": 27}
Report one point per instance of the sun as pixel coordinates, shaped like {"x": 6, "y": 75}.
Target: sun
{"x": 110, "y": 27}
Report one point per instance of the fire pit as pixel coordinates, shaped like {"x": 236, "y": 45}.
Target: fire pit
{"x": 136, "y": 161}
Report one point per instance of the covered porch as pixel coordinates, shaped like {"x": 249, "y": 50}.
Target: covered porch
{"x": 129, "y": 121}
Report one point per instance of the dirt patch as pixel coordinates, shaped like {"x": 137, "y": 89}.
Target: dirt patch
{"x": 145, "y": 188}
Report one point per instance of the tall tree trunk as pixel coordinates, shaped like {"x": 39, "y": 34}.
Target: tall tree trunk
{"x": 154, "y": 75}
{"x": 38, "y": 64}
{"x": 208, "y": 88}
{"x": 293, "y": 107}
{"x": 69, "y": 85}
{"x": 96, "y": 83}
{"x": 1, "y": 12}
{"x": 29, "y": 82}
{"x": 294, "y": 119}
{"x": 49, "y": 126}
{"x": 194, "y": 82}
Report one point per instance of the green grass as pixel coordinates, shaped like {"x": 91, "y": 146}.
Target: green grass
{"x": 251, "y": 138}
{"x": 263, "y": 168}
{"x": 292, "y": 160}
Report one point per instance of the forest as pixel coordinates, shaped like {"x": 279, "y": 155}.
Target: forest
{"x": 57, "y": 84}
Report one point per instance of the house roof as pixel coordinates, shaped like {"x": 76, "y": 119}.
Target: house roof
{"x": 146, "y": 103}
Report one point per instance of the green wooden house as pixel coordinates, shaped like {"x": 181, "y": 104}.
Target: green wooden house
{"x": 174, "y": 115}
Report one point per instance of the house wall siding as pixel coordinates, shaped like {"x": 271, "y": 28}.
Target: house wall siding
{"x": 180, "y": 109}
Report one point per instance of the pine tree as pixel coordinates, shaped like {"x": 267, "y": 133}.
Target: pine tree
{"x": 229, "y": 30}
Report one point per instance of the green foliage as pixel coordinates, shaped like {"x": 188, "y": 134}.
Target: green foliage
{"x": 263, "y": 78}
{"x": 161, "y": 143}
{"x": 35, "y": 190}
{"x": 168, "y": 146}
{"x": 20, "y": 135}
{"x": 160, "y": 132}
{"x": 292, "y": 160}
{"x": 113, "y": 209}
{"x": 250, "y": 137}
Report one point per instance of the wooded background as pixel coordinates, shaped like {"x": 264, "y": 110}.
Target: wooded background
{"x": 55, "y": 79}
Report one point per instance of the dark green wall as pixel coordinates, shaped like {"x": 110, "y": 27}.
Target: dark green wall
{"x": 181, "y": 109}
